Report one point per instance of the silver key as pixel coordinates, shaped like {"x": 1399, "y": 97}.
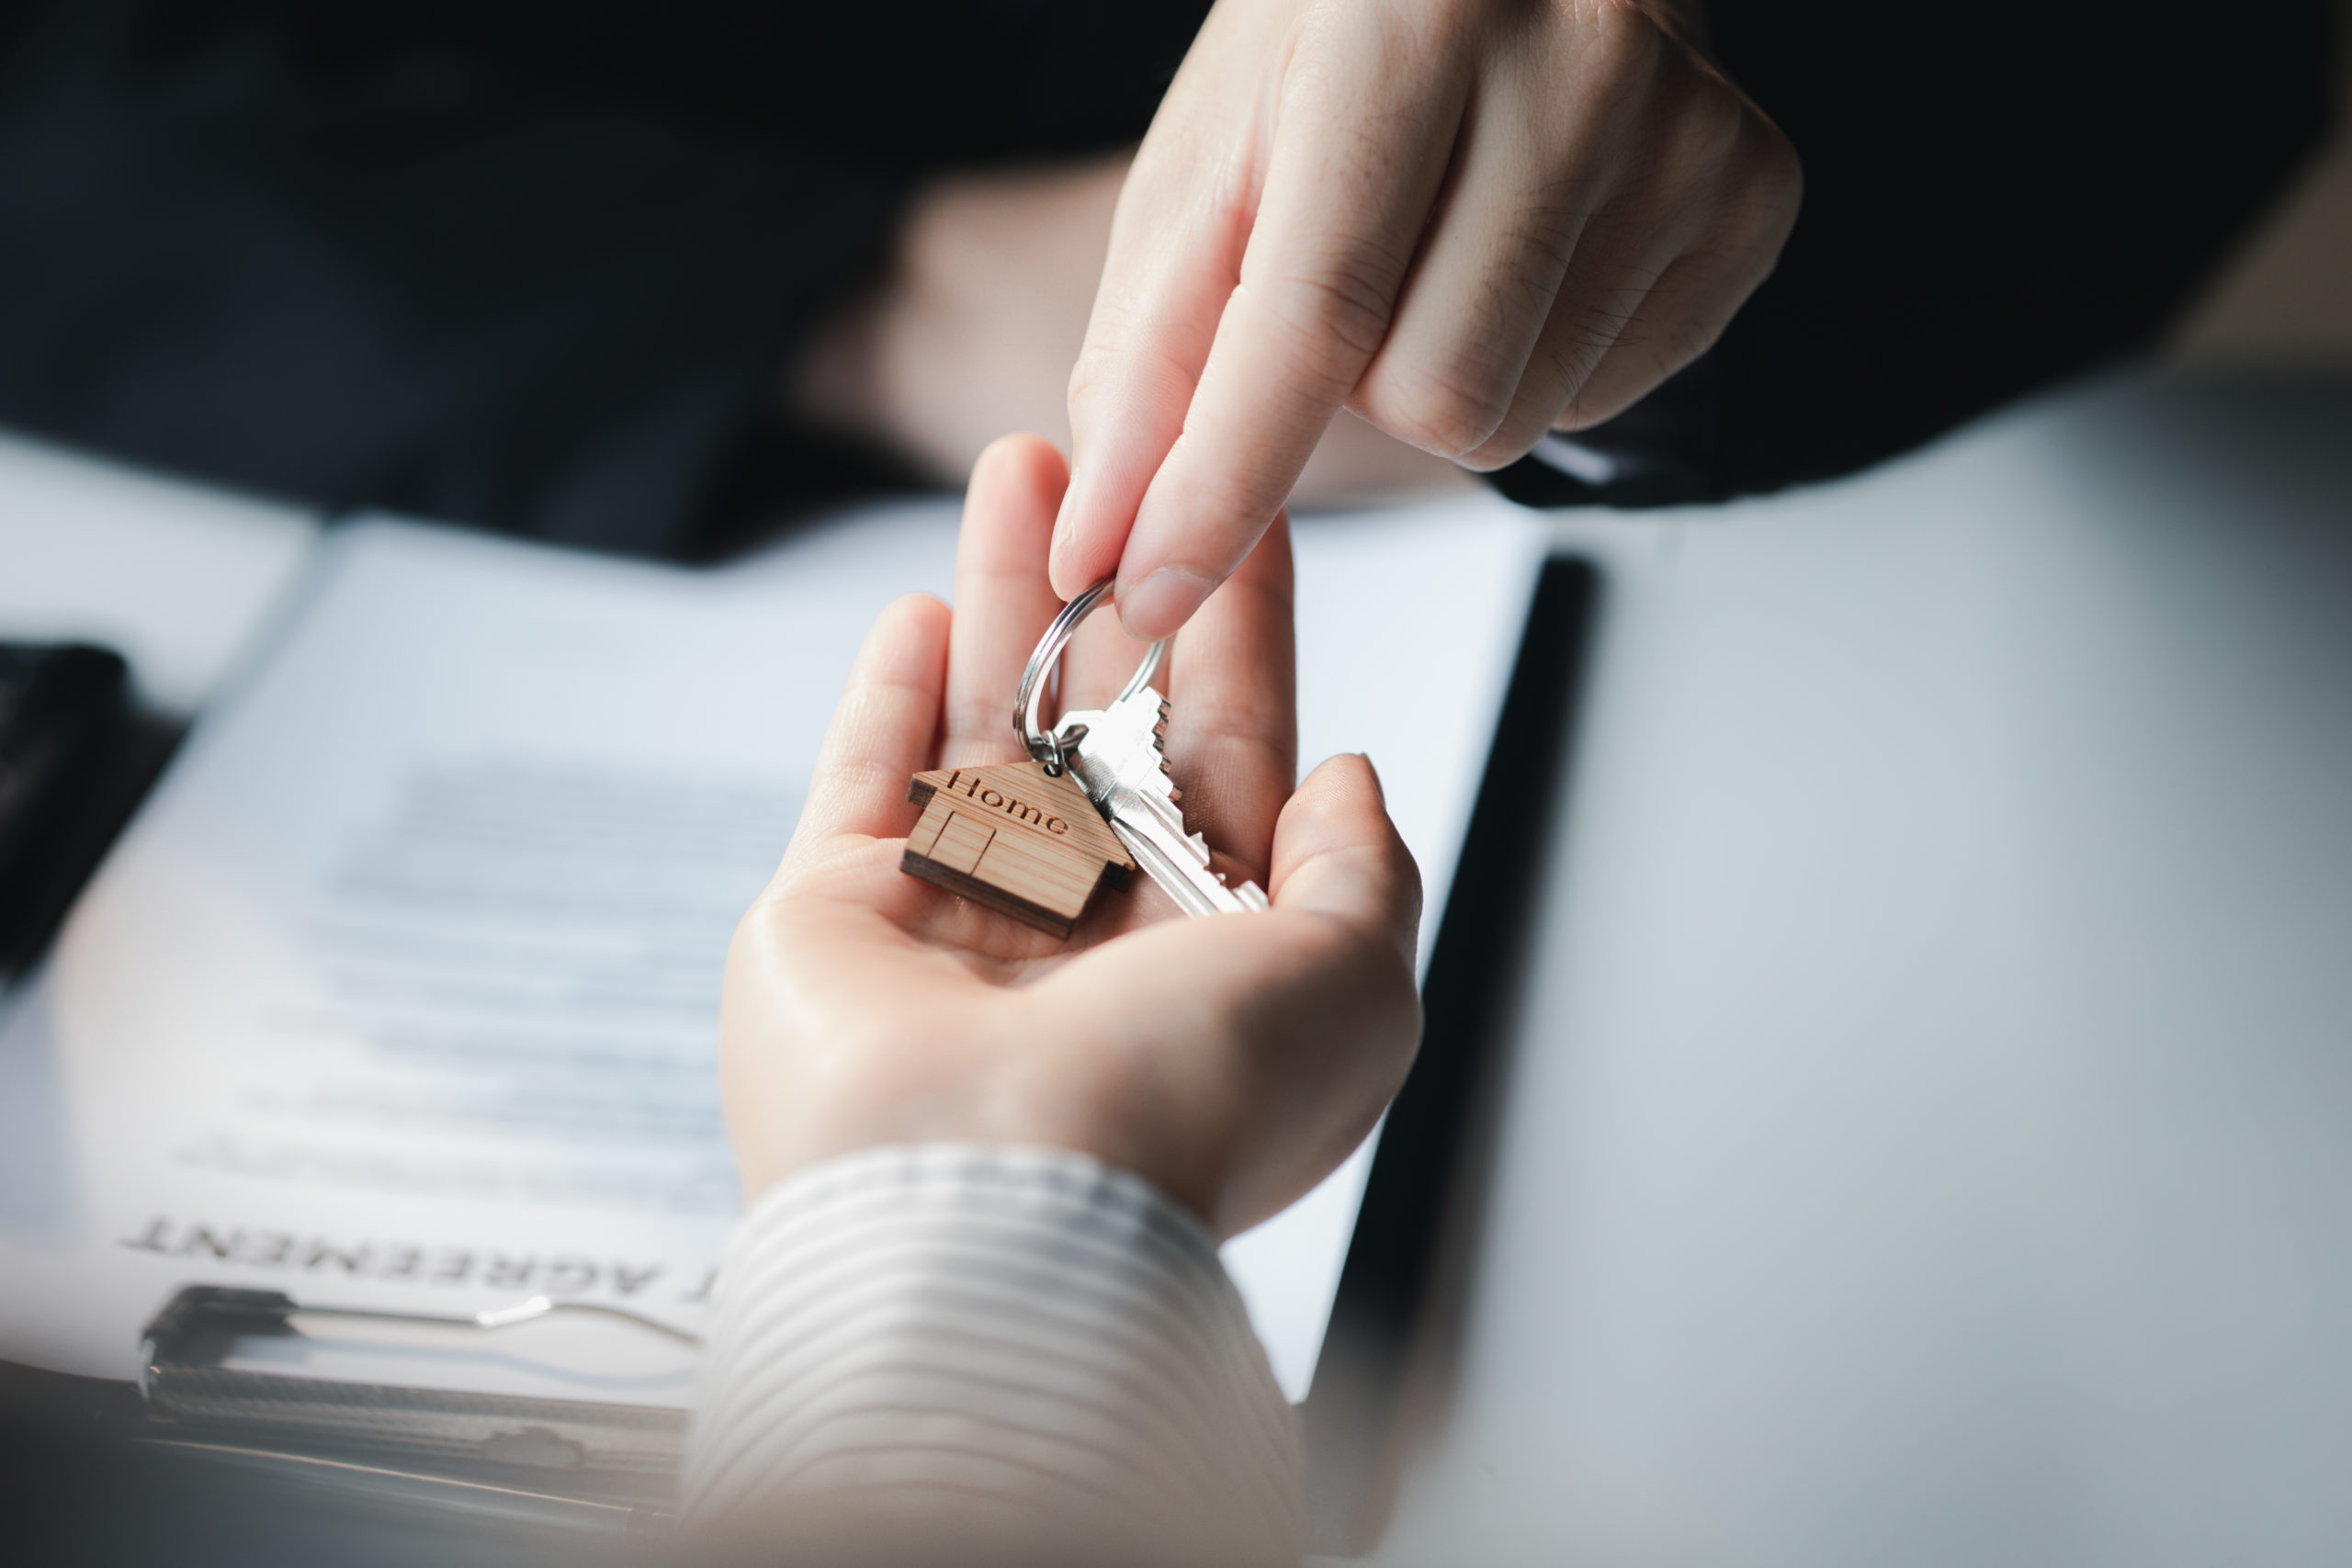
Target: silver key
{"x": 1118, "y": 755}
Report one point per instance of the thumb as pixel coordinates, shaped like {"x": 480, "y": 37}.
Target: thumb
{"x": 1336, "y": 852}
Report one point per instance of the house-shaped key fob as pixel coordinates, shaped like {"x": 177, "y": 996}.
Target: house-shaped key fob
{"x": 1015, "y": 838}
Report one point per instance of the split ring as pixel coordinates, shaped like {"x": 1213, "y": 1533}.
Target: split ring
{"x": 1044, "y": 746}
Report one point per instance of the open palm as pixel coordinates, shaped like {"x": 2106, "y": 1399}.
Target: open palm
{"x": 1232, "y": 1060}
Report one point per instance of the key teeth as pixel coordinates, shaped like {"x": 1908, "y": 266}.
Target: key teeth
{"x": 1154, "y": 831}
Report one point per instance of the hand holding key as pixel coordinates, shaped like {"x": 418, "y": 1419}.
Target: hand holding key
{"x": 1231, "y": 1061}
{"x": 1120, "y": 754}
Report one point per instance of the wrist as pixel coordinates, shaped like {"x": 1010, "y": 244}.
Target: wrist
{"x": 1002, "y": 1093}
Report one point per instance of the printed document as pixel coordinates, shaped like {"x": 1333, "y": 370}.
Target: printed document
{"x": 402, "y": 990}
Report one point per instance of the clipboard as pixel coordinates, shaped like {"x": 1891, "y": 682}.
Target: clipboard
{"x": 214, "y": 1375}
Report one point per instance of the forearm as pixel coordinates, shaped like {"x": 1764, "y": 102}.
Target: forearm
{"x": 988, "y": 1350}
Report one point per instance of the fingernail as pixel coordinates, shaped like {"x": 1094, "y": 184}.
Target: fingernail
{"x": 1066, "y": 515}
{"x": 1064, "y": 530}
{"x": 1163, "y": 602}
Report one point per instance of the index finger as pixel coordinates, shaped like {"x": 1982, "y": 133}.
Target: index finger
{"x": 1357, "y": 153}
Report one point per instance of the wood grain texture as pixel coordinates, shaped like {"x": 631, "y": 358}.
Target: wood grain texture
{"x": 1014, "y": 838}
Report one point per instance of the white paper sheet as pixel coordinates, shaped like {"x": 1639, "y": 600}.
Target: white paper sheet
{"x": 402, "y": 990}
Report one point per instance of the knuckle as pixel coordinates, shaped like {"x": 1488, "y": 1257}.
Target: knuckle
{"x": 1089, "y": 374}
{"x": 1334, "y": 39}
{"x": 1321, "y": 29}
{"x": 1497, "y": 454}
{"x": 1338, "y": 313}
{"x": 1623, "y": 44}
{"x": 1128, "y": 370}
{"x": 1772, "y": 175}
{"x": 1688, "y": 339}
{"x": 1518, "y": 433}
{"x": 1710, "y": 122}
{"x": 1570, "y": 365}
{"x": 1599, "y": 324}
{"x": 1748, "y": 231}
{"x": 1449, "y": 411}
{"x": 1350, "y": 300}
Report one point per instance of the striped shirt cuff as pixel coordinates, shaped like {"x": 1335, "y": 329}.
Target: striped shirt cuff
{"x": 966, "y": 1345}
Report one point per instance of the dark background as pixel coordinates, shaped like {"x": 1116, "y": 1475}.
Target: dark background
{"x": 537, "y": 265}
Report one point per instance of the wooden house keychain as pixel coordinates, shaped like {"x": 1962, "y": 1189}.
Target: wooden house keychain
{"x": 1034, "y": 840}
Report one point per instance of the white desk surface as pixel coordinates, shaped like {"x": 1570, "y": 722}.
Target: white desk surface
{"x": 1926, "y": 1135}
{"x": 1929, "y": 1138}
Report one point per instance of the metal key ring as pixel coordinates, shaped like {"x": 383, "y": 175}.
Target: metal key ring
{"x": 1044, "y": 746}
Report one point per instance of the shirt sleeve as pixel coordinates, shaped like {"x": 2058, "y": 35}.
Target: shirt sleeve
{"x": 999, "y": 1349}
